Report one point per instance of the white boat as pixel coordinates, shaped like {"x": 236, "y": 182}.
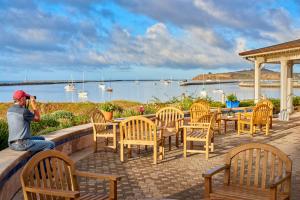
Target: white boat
{"x": 70, "y": 87}
{"x": 82, "y": 94}
{"x": 102, "y": 86}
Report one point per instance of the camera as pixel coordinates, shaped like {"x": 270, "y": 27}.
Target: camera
{"x": 29, "y": 97}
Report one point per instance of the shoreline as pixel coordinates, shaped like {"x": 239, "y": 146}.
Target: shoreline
{"x": 66, "y": 82}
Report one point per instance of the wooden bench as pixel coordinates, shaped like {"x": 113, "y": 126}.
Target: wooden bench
{"x": 252, "y": 171}
{"x": 52, "y": 175}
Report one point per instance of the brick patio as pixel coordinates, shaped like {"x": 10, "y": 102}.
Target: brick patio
{"x": 180, "y": 178}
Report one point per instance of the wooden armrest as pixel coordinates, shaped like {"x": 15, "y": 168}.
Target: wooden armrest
{"x": 107, "y": 124}
{"x": 280, "y": 180}
{"x": 215, "y": 170}
{"x": 98, "y": 176}
{"x": 54, "y": 192}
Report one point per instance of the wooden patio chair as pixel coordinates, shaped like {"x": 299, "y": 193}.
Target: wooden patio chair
{"x": 52, "y": 175}
{"x": 139, "y": 130}
{"x": 252, "y": 171}
{"x": 198, "y": 109}
{"x": 202, "y": 131}
{"x": 102, "y": 129}
{"x": 170, "y": 119}
{"x": 259, "y": 117}
{"x": 271, "y": 106}
{"x": 202, "y": 107}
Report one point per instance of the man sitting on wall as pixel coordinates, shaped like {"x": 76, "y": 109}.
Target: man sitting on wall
{"x": 19, "y": 118}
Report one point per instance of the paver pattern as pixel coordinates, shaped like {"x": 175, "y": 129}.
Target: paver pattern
{"x": 181, "y": 178}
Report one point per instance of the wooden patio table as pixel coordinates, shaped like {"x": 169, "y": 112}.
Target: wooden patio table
{"x": 227, "y": 119}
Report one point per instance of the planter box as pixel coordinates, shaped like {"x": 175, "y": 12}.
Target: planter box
{"x": 232, "y": 104}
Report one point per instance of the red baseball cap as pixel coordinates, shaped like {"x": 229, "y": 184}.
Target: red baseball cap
{"x": 20, "y": 94}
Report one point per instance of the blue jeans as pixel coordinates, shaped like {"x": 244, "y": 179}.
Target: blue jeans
{"x": 33, "y": 144}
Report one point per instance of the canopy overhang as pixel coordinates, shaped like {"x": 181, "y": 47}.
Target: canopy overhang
{"x": 286, "y": 54}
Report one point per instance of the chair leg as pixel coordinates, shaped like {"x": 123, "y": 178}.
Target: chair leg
{"x": 206, "y": 150}
{"x": 267, "y": 128}
{"x": 155, "y": 153}
{"x": 115, "y": 143}
{"x": 184, "y": 143}
{"x": 170, "y": 141}
{"x": 177, "y": 140}
{"x": 212, "y": 147}
{"x": 239, "y": 128}
{"x": 121, "y": 152}
{"x": 95, "y": 144}
{"x": 129, "y": 151}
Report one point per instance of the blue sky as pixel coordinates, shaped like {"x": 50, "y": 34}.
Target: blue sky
{"x": 137, "y": 39}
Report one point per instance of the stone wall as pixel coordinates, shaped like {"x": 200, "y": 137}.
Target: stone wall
{"x": 12, "y": 162}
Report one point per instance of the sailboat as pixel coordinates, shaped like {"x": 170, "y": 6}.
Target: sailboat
{"x": 82, "y": 93}
{"x": 109, "y": 89}
{"x": 101, "y": 85}
{"x": 203, "y": 93}
{"x": 70, "y": 87}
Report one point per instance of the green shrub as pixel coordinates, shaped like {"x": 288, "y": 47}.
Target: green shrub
{"x": 276, "y": 104}
{"x": 130, "y": 112}
{"x": 186, "y": 103}
{"x": 3, "y": 134}
{"x": 217, "y": 104}
{"x": 247, "y": 103}
{"x": 150, "y": 108}
{"x": 231, "y": 97}
{"x": 296, "y": 100}
{"x": 81, "y": 119}
{"x": 62, "y": 114}
{"x": 108, "y": 107}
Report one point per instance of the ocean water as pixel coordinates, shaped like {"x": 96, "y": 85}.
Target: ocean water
{"x": 142, "y": 91}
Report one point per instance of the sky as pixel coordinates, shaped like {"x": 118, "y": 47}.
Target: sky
{"x": 137, "y": 39}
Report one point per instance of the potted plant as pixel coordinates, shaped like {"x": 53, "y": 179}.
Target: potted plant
{"x": 107, "y": 109}
{"x": 232, "y": 101}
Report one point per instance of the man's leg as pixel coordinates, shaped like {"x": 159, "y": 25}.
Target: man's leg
{"x": 41, "y": 145}
{"x": 37, "y": 137}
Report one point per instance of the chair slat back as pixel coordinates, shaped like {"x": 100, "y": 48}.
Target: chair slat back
{"x": 257, "y": 165}
{"x": 138, "y": 128}
{"x": 98, "y": 117}
{"x": 261, "y": 114}
{"x": 268, "y": 103}
{"x": 206, "y": 123}
{"x": 199, "y": 109}
{"x": 168, "y": 117}
{"x": 48, "y": 170}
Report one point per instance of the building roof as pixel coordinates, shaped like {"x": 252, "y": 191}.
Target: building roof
{"x": 277, "y": 47}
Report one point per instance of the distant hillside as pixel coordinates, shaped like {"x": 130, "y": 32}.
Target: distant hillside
{"x": 266, "y": 74}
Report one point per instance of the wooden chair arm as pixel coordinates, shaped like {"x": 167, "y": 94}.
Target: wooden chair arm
{"x": 54, "y": 192}
{"x": 280, "y": 180}
{"x": 215, "y": 170}
{"x": 107, "y": 124}
{"x": 98, "y": 176}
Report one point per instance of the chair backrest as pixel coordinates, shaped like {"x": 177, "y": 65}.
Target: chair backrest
{"x": 199, "y": 109}
{"x": 98, "y": 117}
{"x": 268, "y": 103}
{"x": 48, "y": 170}
{"x": 261, "y": 114}
{"x": 256, "y": 165}
{"x": 137, "y": 128}
{"x": 206, "y": 122}
{"x": 169, "y": 116}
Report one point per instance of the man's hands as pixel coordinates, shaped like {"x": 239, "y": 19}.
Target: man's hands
{"x": 33, "y": 104}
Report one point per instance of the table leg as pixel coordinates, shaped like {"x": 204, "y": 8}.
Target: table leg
{"x": 225, "y": 126}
